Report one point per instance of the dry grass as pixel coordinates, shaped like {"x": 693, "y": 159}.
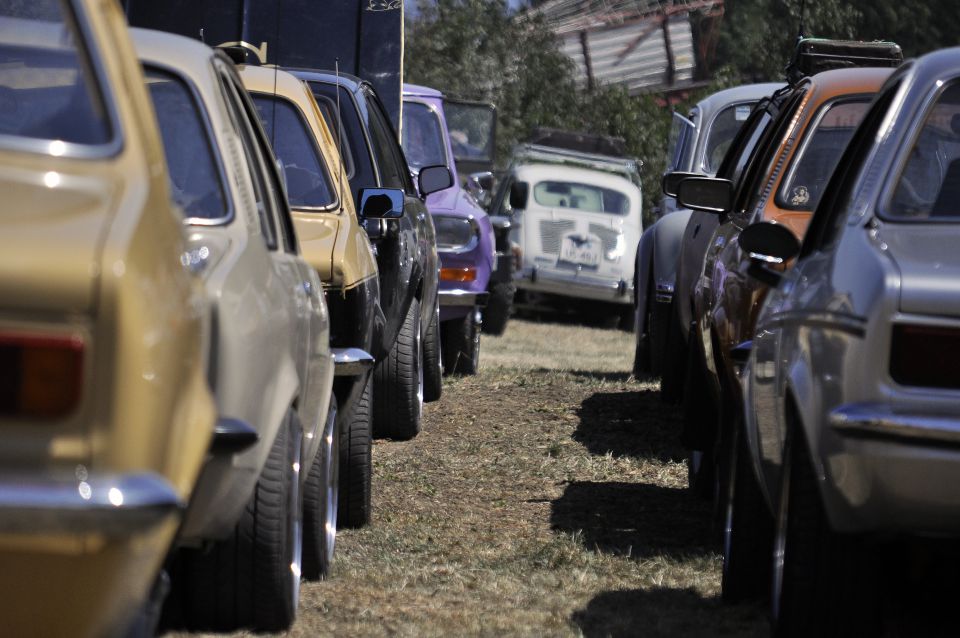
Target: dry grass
{"x": 545, "y": 496}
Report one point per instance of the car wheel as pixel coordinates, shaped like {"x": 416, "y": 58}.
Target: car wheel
{"x": 461, "y": 344}
{"x": 824, "y": 583}
{"x": 747, "y": 528}
{"x": 356, "y": 461}
{"x": 499, "y": 306}
{"x": 674, "y": 356}
{"x": 321, "y": 500}
{"x": 252, "y": 579}
{"x": 432, "y": 359}
{"x": 398, "y": 383}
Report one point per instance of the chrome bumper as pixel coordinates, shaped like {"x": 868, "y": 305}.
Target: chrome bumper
{"x": 576, "y": 284}
{"x": 350, "y": 362}
{"x": 463, "y": 298}
{"x": 879, "y": 421}
{"x": 116, "y": 505}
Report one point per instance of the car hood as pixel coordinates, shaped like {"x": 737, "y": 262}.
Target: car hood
{"x": 50, "y": 238}
{"x": 454, "y": 201}
{"x": 926, "y": 255}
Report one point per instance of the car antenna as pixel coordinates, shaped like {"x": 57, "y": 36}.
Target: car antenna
{"x": 201, "y": 36}
{"x": 800, "y": 34}
{"x": 339, "y": 136}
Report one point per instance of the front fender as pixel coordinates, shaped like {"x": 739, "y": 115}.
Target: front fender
{"x": 670, "y": 231}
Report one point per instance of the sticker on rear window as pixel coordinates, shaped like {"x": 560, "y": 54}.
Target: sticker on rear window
{"x": 742, "y": 112}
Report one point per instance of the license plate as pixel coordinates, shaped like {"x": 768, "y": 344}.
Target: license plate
{"x": 579, "y": 250}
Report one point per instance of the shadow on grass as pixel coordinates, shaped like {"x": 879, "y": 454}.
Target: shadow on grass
{"x": 634, "y": 519}
{"x": 630, "y": 424}
{"x": 593, "y": 375}
{"x": 665, "y": 612}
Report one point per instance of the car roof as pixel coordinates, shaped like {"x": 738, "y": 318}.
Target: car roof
{"x": 848, "y": 81}
{"x": 187, "y": 56}
{"x": 541, "y": 172}
{"x": 411, "y": 90}
{"x": 745, "y": 93}
{"x": 350, "y": 82}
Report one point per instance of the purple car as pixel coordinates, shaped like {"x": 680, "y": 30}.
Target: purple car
{"x": 465, "y": 237}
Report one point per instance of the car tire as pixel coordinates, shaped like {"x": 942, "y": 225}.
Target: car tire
{"x": 251, "y": 580}
{"x": 824, "y": 583}
{"x": 658, "y": 325}
{"x": 674, "y": 357}
{"x": 701, "y": 475}
{"x": 499, "y": 306}
{"x": 398, "y": 383}
{"x": 461, "y": 344}
{"x": 356, "y": 461}
{"x": 432, "y": 360}
{"x": 747, "y": 528}
{"x": 321, "y": 498}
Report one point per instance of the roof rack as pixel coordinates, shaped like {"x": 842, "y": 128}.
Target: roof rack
{"x": 539, "y": 154}
{"x": 813, "y": 55}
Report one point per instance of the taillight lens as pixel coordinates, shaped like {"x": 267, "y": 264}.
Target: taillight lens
{"x": 926, "y": 356}
{"x": 40, "y": 376}
{"x": 459, "y": 275}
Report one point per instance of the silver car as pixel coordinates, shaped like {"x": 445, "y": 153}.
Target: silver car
{"x": 271, "y": 365}
{"x": 852, "y": 405}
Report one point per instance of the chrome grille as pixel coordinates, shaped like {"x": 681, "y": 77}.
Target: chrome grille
{"x": 607, "y": 235}
{"x": 551, "y": 232}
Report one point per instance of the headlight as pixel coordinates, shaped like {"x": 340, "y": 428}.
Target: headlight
{"x": 455, "y": 233}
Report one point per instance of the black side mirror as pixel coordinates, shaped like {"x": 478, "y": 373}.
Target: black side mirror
{"x": 434, "y": 178}
{"x": 381, "y": 203}
{"x": 671, "y": 181}
{"x": 707, "y": 194}
{"x": 519, "y": 191}
{"x": 768, "y": 243}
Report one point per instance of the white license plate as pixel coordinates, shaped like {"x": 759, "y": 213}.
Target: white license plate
{"x": 578, "y": 251}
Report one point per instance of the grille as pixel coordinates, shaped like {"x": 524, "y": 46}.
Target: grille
{"x": 551, "y": 232}
{"x": 607, "y": 235}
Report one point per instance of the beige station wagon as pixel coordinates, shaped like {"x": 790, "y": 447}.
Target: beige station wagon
{"x": 105, "y": 413}
{"x": 271, "y": 367}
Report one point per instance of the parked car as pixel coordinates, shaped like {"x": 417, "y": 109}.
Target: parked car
{"x": 576, "y": 222}
{"x": 335, "y": 244}
{"x": 271, "y": 368}
{"x": 104, "y": 405}
{"x": 407, "y": 344}
{"x": 782, "y": 186}
{"x": 465, "y": 240}
{"x": 698, "y": 142}
{"x": 851, "y": 384}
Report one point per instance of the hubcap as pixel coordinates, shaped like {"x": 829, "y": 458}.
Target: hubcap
{"x": 419, "y": 361}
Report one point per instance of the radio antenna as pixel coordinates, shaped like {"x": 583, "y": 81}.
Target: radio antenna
{"x": 341, "y": 173}
{"x": 801, "y": 34}
{"x": 201, "y": 36}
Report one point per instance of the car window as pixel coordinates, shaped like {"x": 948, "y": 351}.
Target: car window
{"x": 364, "y": 174}
{"x": 327, "y": 109}
{"x": 308, "y": 182}
{"x": 254, "y": 161}
{"x": 422, "y": 140}
{"x": 47, "y": 88}
{"x": 723, "y": 129}
{"x": 393, "y": 169}
{"x": 819, "y": 153}
{"x": 928, "y": 187}
{"x": 195, "y": 177}
{"x": 734, "y": 163}
{"x": 679, "y": 143}
{"x": 585, "y": 197}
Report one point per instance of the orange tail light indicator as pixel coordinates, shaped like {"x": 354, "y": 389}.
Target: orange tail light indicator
{"x": 40, "y": 376}
{"x": 459, "y": 275}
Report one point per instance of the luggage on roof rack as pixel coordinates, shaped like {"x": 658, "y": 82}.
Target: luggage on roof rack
{"x": 575, "y": 141}
{"x": 813, "y": 55}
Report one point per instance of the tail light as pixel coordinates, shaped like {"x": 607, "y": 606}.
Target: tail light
{"x": 459, "y": 275}
{"x": 926, "y": 356}
{"x": 40, "y": 376}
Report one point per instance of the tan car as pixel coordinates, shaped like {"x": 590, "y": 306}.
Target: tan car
{"x": 336, "y": 244}
{"x": 271, "y": 369}
{"x": 105, "y": 413}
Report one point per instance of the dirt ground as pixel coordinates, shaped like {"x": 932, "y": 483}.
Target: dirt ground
{"x": 545, "y": 496}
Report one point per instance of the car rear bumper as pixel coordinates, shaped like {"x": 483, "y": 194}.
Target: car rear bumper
{"x": 890, "y": 471}
{"x": 580, "y": 284}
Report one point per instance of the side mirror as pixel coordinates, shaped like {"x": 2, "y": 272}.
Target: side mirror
{"x": 768, "y": 243}
{"x": 381, "y": 203}
{"x": 519, "y": 191}
{"x": 434, "y": 178}
{"x": 707, "y": 194}
{"x": 671, "y": 181}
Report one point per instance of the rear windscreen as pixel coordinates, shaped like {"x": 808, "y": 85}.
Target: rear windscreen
{"x": 585, "y": 197}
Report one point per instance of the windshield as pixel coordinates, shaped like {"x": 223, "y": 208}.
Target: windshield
{"x": 929, "y": 186}
{"x": 585, "y": 197}
{"x": 813, "y": 164}
{"x": 308, "y": 183}
{"x": 47, "y": 89}
{"x": 722, "y": 131}
{"x": 194, "y": 175}
{"x": 422, "y": 137}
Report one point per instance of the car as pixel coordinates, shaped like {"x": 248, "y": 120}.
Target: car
{"x": 271, "y": 368}
{"x": 465, "y": 237}
{"x": 783, "y": 186}
{"x": 698, "y": 142}
{"x": 105, "y": 411}
{"x": 335, "y": 244}
{"x": 575, "y": 221}
{"x": 851, "y": 385}
{"x": 407, "y": 343}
